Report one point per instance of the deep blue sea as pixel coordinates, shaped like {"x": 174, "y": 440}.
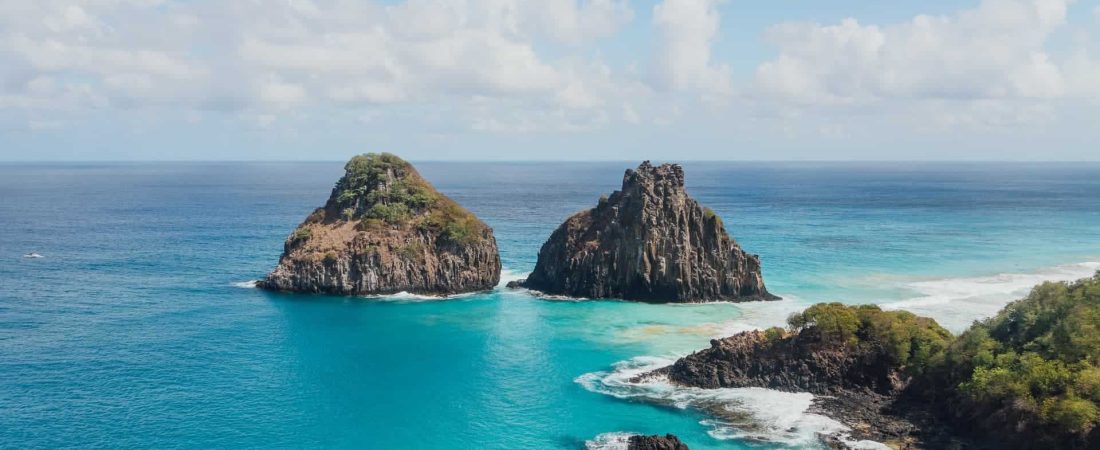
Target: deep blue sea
{"x": 137, "y": 329}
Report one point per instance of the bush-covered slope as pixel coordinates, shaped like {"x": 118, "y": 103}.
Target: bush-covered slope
{"x": 1032, "y": 371}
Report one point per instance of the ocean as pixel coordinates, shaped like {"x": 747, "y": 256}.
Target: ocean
{"x": 138, "y": 327}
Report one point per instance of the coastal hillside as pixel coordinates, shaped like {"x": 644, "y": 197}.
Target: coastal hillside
{"x": 1028, "y": 378}
{"x": 1031, "y": 374}
{"x": 385, "y": 229}
{"x": 649, "y": 241}
{"x": 858, "y": 360}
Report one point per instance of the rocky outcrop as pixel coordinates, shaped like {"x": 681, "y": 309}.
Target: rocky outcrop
{"x": 859, "y": 386}
{"x": 384, "y": 230}
{"x": 649, "y": 241}
{"x": 655, "y": 442}
{"x": 789, "y": 363}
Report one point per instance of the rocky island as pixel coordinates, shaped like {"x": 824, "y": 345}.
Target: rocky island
{"x": 385, "y": 230}
{"x": 648, "y": 241}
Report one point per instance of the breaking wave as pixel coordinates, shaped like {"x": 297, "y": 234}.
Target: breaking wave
{"x": 609, "y": 441}
{"x": 507, "y": 276}
{"x": 957, "y": 302}
{"x": 748, "y": 414}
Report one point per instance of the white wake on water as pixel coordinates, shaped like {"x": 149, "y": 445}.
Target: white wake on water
{"x": 752, "y": 414}
{"x": 507, "y": 276}
{"x": 610, "y": 441}
{"x": 956, "y": 302}
{"x": 756, "y": 414}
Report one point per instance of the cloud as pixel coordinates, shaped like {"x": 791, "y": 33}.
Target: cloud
{"x": 995, "y": 51}
{"x": 274, "y": 57}
{"x": 1083, "y": 75}
{"x": 508, "y": 66}
{"x": 686, "y": 29}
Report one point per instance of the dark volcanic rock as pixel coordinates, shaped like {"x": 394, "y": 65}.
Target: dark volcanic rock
{"x": 649, "y": 241}
{"x": 858, "y": 387}
{"x": 655, "y": 442}
{"x": 793, "y": 364}
{"x": 384, "y": 230}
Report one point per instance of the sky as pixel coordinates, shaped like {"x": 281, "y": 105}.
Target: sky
{"x": 115, "y": 80}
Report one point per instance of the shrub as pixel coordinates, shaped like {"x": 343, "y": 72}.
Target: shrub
{"x": 453, "y": 223}
{"x": 774, "y": 334}
{"x": 911, "y": 342}
{"x": 832, "y": 321}
{"x": 1041, "y": 350}
{"x": 382, "y": 179}
{"x": 388, "y": 213}
{"x": 1069, "y": 414}
{"x": 1087, "y": 384}
{"x": 301, "y": 234}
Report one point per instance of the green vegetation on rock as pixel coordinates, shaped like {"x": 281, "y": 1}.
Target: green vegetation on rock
{"x": 1035, "y": 367}
{"x": 912, "y": 343}
{"x": 382, "y": 189}
{"x": 1031, "y": 372}
{"x": 381, "y": 185}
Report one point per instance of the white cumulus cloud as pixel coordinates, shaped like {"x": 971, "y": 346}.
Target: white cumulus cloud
{"x": 273, "y": 57}
{"x": 995, "y": 51}
{"x": 686, "y": 29}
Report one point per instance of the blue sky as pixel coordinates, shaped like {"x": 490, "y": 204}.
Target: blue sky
{"x": 550, "y": 79}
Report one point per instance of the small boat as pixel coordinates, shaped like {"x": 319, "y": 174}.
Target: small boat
{"x": 33, "y": 255}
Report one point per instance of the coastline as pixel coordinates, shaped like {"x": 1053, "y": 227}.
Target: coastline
{"x": 846, "y": 420}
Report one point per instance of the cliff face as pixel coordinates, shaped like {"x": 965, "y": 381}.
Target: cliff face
{"x": 650, "y": 242}
{"x": 790, "y": 364}
{"x": 384, "y": 230}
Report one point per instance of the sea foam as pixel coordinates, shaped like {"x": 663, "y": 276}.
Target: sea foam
{"x": 753, "y": 414}
{"x": 507, "y": 276}
{"x": 956, "y": 302}
{"x": 610, "y": 441}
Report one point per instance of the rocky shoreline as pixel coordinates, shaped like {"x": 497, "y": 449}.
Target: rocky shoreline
{"x": 860, "y": 389}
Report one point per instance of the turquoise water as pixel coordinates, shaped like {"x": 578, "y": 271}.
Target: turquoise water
{"x": 134, "y": 330}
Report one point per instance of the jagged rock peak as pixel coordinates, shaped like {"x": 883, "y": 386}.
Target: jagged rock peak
{"x": 649, "y": 241}
{"x": 663, "y": 180}
{"x": 385, "y": 229}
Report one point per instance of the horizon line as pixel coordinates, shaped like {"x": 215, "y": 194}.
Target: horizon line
{"x": 139, "y": 161}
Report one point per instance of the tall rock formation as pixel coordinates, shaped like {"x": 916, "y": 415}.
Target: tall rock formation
{"x": 649, "y": 241}
{"x": 384, "y": 230}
